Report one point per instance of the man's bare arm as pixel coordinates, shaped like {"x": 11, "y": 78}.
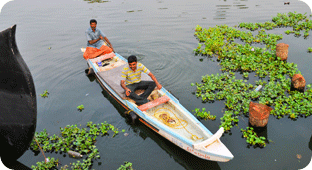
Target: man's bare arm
{"x": 123, "y": 85}
{"x": 159, "y": 86}
{"x": 94, "y": 41}
{"x": 110, "y": 45}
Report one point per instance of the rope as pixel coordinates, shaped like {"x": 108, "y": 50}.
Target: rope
{"x": 165, "y": 117}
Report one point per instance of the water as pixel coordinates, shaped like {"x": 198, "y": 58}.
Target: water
{"x": 160, "y": 33}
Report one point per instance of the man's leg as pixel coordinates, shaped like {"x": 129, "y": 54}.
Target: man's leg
{"x": 138, "y": 99}
{"x": 149, "y": 86}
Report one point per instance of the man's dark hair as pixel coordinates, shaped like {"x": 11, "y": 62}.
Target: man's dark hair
{"x": 93, "y": 20}
{"x": 132, "y": 58}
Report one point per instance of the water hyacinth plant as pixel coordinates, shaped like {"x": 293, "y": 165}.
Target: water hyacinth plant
{"x": 73, "y": 138}
{"x": 52, "y": 163}
{"x": 80, "y": 107}
{"x": 44, "y": 94}
{"x": 203, "y": 114}
{"x": 233, "y": 57}
{"x": 252, "y": 138}
{"x": 126, "y": 166}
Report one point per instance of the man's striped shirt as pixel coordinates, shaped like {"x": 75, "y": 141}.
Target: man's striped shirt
{"x": 130, "y": 76}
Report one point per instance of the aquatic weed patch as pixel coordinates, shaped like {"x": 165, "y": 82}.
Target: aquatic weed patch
{"x": 203, "y": 114}
{"x": 219, "y": 41}
{"x": 126, "y": 166}
{"x": 252, "y": 138}
{"x": 73, "y": 138}
{"x": 46, "y": 165}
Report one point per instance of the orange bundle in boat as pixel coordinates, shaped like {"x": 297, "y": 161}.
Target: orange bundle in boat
{"x": 94, "y": 52}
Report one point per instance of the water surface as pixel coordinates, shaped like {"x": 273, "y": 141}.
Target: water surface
{"x": 161, "y": 34}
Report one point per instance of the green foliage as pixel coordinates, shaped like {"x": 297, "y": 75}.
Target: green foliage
{"x": 203, "y": 114}
{"x": 228, "y": 119}
{"x": 80, "y": 108}
{"x": 44, "y": 94}
{"x": 296, "y": 104}
{"x": 198, "y": 28}
{"x": 246, "y": 74}
{"x": 73, "y": 138}
{"x": 309, "y": 49}
{"x": 51, "y": 164}
{"x": 218, "y": 41}
{"x": 252, "y": 138}
{"x": 126, "y": 166}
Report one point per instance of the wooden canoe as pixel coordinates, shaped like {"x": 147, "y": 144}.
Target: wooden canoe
{"x": 163, "y": 114}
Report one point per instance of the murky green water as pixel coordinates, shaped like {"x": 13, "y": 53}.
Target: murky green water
{"x": 160, "y": 33}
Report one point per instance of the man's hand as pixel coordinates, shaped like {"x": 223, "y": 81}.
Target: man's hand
{"x": 158, "y": 85}
{"x": 128, "y": 91}
{"x": 101, "y": 38}
{"x": 123, "y": 85}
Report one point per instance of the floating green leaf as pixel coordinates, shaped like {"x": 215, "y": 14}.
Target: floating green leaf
{"x": 44, "y": 94}
{"x": 80, "y": 108}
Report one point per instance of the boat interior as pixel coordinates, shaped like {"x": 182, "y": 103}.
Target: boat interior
{"x": 160, "y": 107}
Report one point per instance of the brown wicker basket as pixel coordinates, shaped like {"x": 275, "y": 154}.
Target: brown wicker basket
{"x": 259, "y": 114}
{"x": 282, "y": 51}
{"x": 298, "y": 82}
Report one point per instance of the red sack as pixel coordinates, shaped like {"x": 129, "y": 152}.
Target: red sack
{"x": 94, "y": 52}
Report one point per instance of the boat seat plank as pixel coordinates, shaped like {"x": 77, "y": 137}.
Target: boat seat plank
{"x": 154, "y": 103}
{"x": 113, "y": 77}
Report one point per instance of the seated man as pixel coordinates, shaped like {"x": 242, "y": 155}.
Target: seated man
{"x": 131, "y": 81}
{"x": 96, "y": 45}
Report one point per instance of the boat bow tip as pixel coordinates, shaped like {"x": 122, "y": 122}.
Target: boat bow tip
{"x": 210, "y": 140}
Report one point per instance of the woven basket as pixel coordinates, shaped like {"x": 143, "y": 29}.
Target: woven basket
{"x": 259, "y": 114}
{"x": 298, "y": 82}
{"x": 282, "y": 51}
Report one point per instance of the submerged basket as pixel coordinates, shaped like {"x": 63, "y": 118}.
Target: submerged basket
{"x": 298, "y": 82}
{"x": 282, "y": 51}
{"x": 259, "y": 114}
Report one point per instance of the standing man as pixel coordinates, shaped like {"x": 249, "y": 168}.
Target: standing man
{"x": 131, "y": 81}
{"x": 96, "y": 45}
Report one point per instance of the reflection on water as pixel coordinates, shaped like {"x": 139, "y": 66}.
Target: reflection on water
{"x": 224, "y": 11}
{"x": 310, "y": 144}
{"x": 187, "y": 160}
{"x": 261, "y": 131}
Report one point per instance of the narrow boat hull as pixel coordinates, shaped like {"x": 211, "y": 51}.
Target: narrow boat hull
{"x": 181, "y": 136}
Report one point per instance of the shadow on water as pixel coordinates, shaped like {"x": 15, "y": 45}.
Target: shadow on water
{"x": 187, "y": 160}
{"x": 310, "y": 143}
{"x": 261, "y": 131}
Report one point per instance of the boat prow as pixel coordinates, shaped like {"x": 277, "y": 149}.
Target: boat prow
{"x": 17, "y": 99}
